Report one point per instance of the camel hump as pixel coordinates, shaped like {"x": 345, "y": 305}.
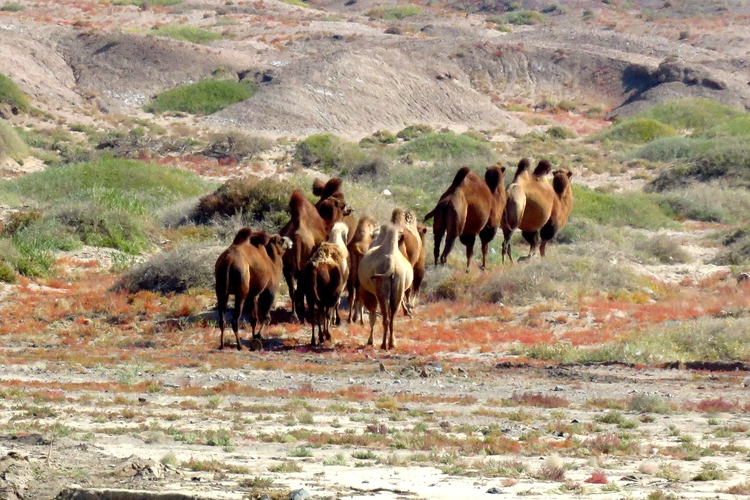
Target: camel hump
{"x": 318, "y": 186}
{"x": 297, "y": 201}
{"x": 462, "y": 173}
{"x": 493, "y": 176}
{"x": 398, "y": 216}
{"x": 332, "y": 187}
{"x": 242, "y": 236}
{"x": 260, "y": 239}
{"x": 543, "y": 168}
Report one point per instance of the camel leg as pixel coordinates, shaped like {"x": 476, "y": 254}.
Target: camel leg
{"x": 438, "y": 230}
{"x": 549, "y": 231}
{"x": 222, "y": 300}
{"x": 533, "y": 239}
{"x": 265, "y": 303}
{"x": 370, "y": 302}
{"x": 384, "y": 310}
{"x": 239, "y": 302}
{"x": 289, "y": 278}
{"x": 468, "y": 240}
{"x": 507, "y": 235}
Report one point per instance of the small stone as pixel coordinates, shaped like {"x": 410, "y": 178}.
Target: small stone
{"x": 299, "y": 494}
{"x": 494, "y": 491}
{"x": 558, "y": 388}
{"x": 424, "y": 373}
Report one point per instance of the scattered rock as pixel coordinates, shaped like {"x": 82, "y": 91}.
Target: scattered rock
{"x": 494, "y": 491}
{"x": 299, "y": 494}
{"x": 15, "y": 476}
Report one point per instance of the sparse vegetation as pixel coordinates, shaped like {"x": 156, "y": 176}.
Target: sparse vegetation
{"x": 10, "y": 94}
{"x": 186, "y": 33}
{"x": 395, "y": 12}
{"x": 438, "y": 146}
{"x": 636, "y": 131}
{"x": 202, "y": 98}
{"x": 11, "y": 145}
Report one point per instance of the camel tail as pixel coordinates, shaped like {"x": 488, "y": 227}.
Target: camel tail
{"x": 431, "y": 214}
{"x": 514, "y": 209}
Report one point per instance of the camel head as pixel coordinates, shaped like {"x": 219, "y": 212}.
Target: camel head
{"x": 494, "y": 177}
{"x": 561, "y": 180}
{"x": 260, "y": 239}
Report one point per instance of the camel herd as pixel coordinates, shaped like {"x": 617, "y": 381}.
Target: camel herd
{"x": 324, "y": 249}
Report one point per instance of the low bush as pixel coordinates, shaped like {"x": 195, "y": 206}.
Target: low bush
{"x": 695, "y": 114}
{"x": 636, "y": 131}
{"x": 12, "y": 7}
{"x": 11, "y": 144}
{"x": 236, "y": 145}
{"x": 726, "y": 160}
{"x": 557, "y": 277}
{"x": 202, "y": 98}
{"x": 558, "y": 132}
{"x": 10, "y": 93}
{"x": 186, "y": 33}
{"x": 638, "y": 210}
{"x": 518, "y": 18}
{"x": 669, "y": 149}
{"x": 665, "y": 249}
{"x": 738, "y": 125}
{"x": 263, "y": 201}
{"x": 379, "y": 137}
{"x": 414, "y": 131}
{"x": 320, "y": 150}
{"x": 163, "y": 3}
{"x": 737, "y": 248}
{"x": 438, "y": 146}
{"x": 179, "y": 270}
{"x": 395, "y": 12}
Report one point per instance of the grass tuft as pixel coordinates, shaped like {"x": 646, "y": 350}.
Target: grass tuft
{"x": 186, "y": 33}
{"x": 202, "y": 98}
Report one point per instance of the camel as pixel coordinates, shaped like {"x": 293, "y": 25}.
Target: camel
{"x": 530, "y": 200}
{"x": 325, "y": 279}
{"x": 358, "y": 245}
{"x": 308, "y": 228}
{"x": 465, "y": 210}
{"x": 412, "y": 247}
{"x": 332, "y": 189}
{"x": 561, "y": 207}
{"x": 494, "y": 177}
{"x": 384, "y": 276}
{"x": 249, "y": 269}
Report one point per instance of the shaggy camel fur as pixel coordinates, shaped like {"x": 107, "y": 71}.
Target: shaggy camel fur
{"x": 462, "y": 212}
{"x": 308, "y": 228}
{"x": 332, "y": 189}
{"x": 384, "y": 277}
{"x": 561, "y": 208}
{"x": 358, "y": 245}
{"x": 249, "y": 269}
{"x": 529, "y": 205}
{"x": 325, "y": 278}
{"x": 412, "y": 247}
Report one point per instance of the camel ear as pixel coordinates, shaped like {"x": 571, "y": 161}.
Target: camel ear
{"x": 569, "y": 174}
{"x": 502, "y": 169}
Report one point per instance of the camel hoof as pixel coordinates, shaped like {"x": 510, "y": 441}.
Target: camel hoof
{"x": 256, "y": 345}
{"x": 221, "y": 347}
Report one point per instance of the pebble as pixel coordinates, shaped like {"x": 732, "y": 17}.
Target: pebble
{"x": 494, "y": 491}
{"x": 299, "y": 494}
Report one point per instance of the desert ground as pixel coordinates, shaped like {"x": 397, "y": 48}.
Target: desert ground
{"x": 614, "y": 367}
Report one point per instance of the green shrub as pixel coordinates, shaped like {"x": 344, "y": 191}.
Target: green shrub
{"x": 636, "y": 130}
{"x": 36, "y": 244}
{"x": 518, "y": 18}
{"x": 738, "y": 125}
{"x": 12, "y": 95}
{"x": 320, "y": 150}
{"x": 237, "y": 145}
{"x": 11, "y": 144}
{"x": 726, "y": 160}
{"x": 379, "y": 137}
{"x": 737, "y": 251}
{"x": 108, "y": 202}
{"x": 204, "y": 98}
{"x": 177, "y": 271}
{"x": 638, "y": 210}
{"x": 414, "y": 131}
{"x": 395, "y": 12}
{"x": 298, "y": 3}
{"x": 558, "y": 132}
{"x": 264, "y": 201}
{"x": 12, "y": 7}
{"x": 696, "y": 114}
{"x": 712, "y": 204}
{"x": 186, "y": 33}
{"x": 645, "y": 403}
{"x": 668, "y": 149}
{"x": 447, "y": 145}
